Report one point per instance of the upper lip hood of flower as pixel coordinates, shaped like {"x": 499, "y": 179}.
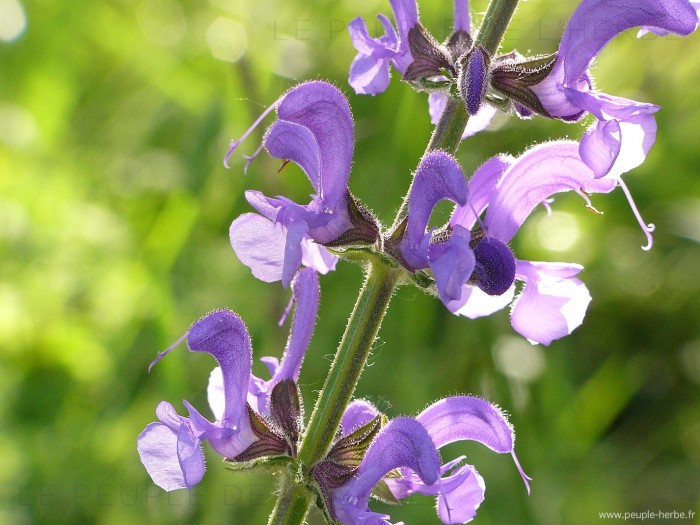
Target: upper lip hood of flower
{"x": 438, "y": 177}
{"x": 595, "y": 23}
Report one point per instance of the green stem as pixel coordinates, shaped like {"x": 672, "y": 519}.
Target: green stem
{"x": 495, "y": 23}
{"x": 447, "y": 135}
{"x": 350, "y": 359}
{"x": 292, "y": 505}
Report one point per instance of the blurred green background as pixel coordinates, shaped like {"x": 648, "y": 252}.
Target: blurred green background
{"x": 114, "y": 216}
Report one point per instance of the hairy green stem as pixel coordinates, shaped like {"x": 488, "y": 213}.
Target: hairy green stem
{"x": 370, "y": 308}
{"x": 350, "y": 360}
{"x": 292, "y": 505}
{"x": 495, "y": 24}
{"x": 447, "y": 135}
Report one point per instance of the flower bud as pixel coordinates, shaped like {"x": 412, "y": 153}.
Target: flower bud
{"x": 473, "y": 78}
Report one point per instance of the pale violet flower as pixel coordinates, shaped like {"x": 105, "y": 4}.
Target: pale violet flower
{"x": 170, "y": 449}
{"x": 474, "y": 269}
{"x": 410, "y": 446}
{"x": 625, "y": 129}
{"x": 315, "y": 130}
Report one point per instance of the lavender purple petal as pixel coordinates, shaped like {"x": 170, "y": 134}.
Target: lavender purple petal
{"x": 402, "y": 443}
{"x": 359, "y": 412}
{"x": 223, "y": 334}
{"x": 438, "y": 177}
{"x": 553, "y": 302}
{"x": 539, "y": 173}
{"x": 597, "y": 22}
{"x": 170, "y": 451}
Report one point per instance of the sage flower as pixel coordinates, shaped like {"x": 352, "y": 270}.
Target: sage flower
{"x": 625, "y": 129}
{"x": 315, "y": 130}
{"x": 254, "y": 418}
{"x": 553, "y": 301}
{"x": 413, "y": 52}
{"x": 438, "y": 177}
{"x": 410, "y": 446}
{"x": 370, "y": 70}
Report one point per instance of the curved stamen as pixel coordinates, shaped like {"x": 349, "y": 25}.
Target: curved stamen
{"x": 250, "y": 158}
{"x": 589, "y": 205}
{"x": 526, "y": 478}
{"x": 236, "y": 143}
{"x": 165, "y": 352}
{"x": 646, "y": 228}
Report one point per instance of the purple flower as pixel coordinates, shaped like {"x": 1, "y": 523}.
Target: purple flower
{"x": 438, "y": 177}
{"x": 243, "y": 404}
{"x": 453, "y": 419}
{"x": 625, "y": 130}
{"x": 411, "y": 446}
{"x": 315, "y": 130}
{"x": 553, "y": 301}
{"x": 402, "y": 443}
{"x": 369, "y": 72}
{"x": 473, "y": 267}
{"x": 413, "y": 52}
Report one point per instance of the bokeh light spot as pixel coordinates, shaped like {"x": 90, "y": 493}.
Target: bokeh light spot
{"x": 558, "y": 232}
{"x": 227, "y": 39}
{"x": 13, "y": 21}
{"x": 518, "y": 359}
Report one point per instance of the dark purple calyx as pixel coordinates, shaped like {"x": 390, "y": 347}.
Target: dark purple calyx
{"x": 343, "y": 460}
{"x": 458, "y": 44}
{"x": 430, "y": 59}
{"x": 277, "y": 434}
{"x": 495, "y": 266}
{"x": 364, "y": 229}
{"x": 270, "y": 440}
{"x": 514, "y": 75}
{"x": 287, "y": 412}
